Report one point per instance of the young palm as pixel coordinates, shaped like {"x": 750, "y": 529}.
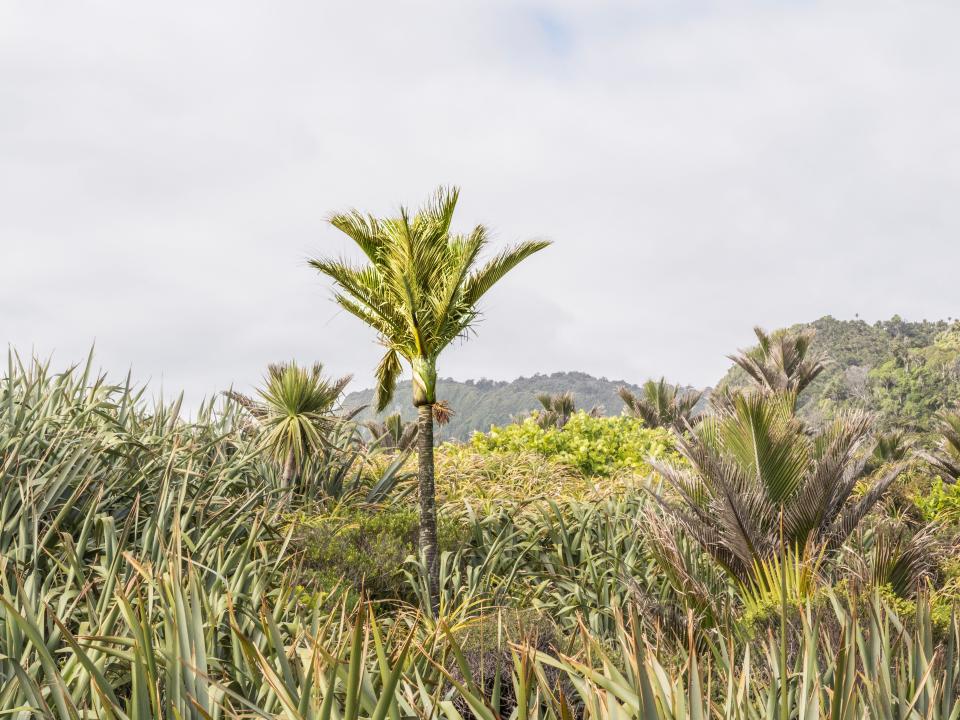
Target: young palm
{"x": 662, "y": 405}
{"x": 419, "y": 289}
{"x": 755, "y": 482}
{"x": 558, "y": 409}
{"x": 945, "y": 460}
{"x": 392, "y": 433}
{"x": 293, "y": 413}
{"x": 781, "y": 363}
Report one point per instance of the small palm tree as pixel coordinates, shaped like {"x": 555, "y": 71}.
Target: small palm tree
{"x": 392, "y": 433}
{"x": 756, "y": 483}
{"x": 945, "y": 460}
{"x": 557, "y": 409}
{"x": 782, "y": 362}
{"x": 890, "y": 447}
{"x": 662, "y": 405}
{"x": 419, "y": 289}
{"x": 293, "y": 413}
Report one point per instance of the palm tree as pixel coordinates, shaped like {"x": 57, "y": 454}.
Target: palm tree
{"x": 662, "y": 405}
{"x": 781, "y": 362}
{"x": 892, "y": 446}
{"x": 756, "y": 483}
{"x": 946, "y": 458}
{"x": 557, "y": 409}
{"x": 293, "y": 413}
{"x": 392, "y": 433}
{"x": 420, "y": 291}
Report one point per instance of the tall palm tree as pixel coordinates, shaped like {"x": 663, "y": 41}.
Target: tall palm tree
{"x": 662, "y": 405}
{"x": 756, "y": 483}
{"x": 293, "y": 412}
{"x": 419, "y": 289}
{"x": 782, "y": 362}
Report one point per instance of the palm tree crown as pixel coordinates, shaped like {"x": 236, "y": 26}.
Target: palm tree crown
{"x": 392, "y": 433}
{"x": 662, "y": 405}
{"x": 782, "y": 361}
{"x": 420, "y": 288}
{"x": 557, "y": 409}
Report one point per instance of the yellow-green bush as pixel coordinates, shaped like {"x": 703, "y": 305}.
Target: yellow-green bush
{"x": 940, "y": 503}
{"x": 591, "y": 445}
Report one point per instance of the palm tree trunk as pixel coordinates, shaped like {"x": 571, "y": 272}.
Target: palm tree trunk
{"x": 289, "y": 470}
{"x": 428, "y": 507}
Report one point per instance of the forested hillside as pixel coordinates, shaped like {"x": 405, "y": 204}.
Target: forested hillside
{"x": 478, "y": 404}
{"x": 903, "y": 371}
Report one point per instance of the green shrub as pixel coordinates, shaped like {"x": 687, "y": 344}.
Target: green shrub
{"x": 365, "y": 546}
{"x": 940, "y": 503}
{"x": 592, "y": 445}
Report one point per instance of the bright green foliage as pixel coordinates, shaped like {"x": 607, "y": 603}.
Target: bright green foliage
{"x": 917, "y": 382}
{"x": 592, "y": 445}
{"x": 940, "y": 502}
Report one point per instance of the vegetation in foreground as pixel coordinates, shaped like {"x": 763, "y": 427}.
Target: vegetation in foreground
{"x": 154, "y": 567}
{"x": 277, "y": 557}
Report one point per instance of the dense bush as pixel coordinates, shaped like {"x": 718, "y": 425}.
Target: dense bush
{"x": 364, "y": 547}
{"x": 592, "y": 445}
{"x": 146, "y": 574}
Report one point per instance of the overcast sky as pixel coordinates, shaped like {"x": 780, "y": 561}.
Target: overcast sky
{"x": 166, "y": 170}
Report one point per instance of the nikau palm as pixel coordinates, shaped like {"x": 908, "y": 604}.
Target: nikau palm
{"x": 945, "y": 460}
{"x": 392, "y": 433}
{"x": 662, "y": 405}
{"x": 558, "y": 409}
{"x": 419, "y": 289}
{"x": 755, "y": 483}
{"x": 782, "y": 362}
{"x": 293, "y": 412}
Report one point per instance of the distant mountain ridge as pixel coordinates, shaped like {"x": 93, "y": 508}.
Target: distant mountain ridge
{"x": 478, "y": 404}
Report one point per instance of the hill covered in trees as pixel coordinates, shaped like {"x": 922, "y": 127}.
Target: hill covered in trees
{"x": 478, "y": 404}
{"x": 905, "y": 372}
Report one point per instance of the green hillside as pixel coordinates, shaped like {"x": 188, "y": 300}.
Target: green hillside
{"x": 478, "y": 404}
{"x": 903, "y": 371}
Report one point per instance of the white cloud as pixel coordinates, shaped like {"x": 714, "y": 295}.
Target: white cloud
{"x": 165, "y": 170}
